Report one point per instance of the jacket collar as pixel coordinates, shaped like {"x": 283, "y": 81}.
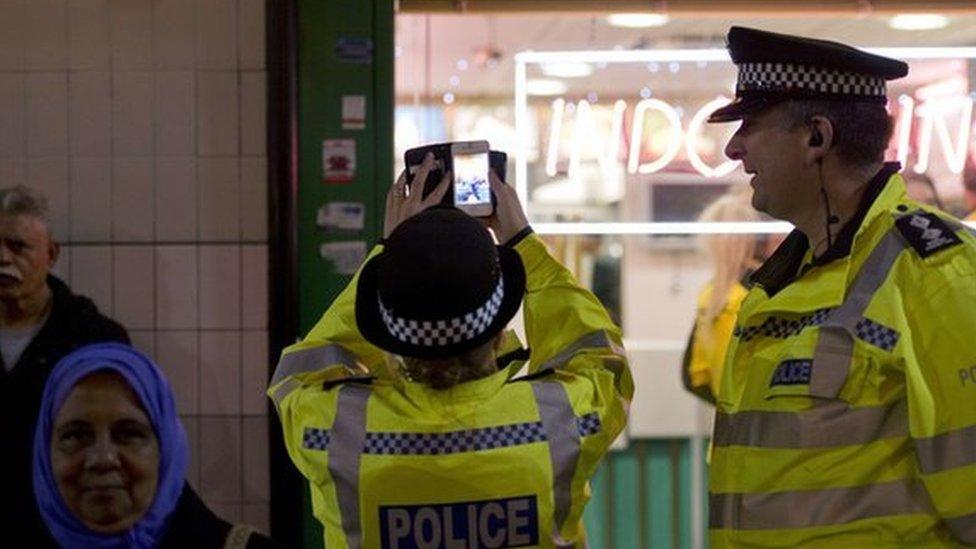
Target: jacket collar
{"x": 786, "y": 263}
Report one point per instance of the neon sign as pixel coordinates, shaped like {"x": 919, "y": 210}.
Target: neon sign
{"x": 940, "y": 117}
{"x": 933, "y": 120}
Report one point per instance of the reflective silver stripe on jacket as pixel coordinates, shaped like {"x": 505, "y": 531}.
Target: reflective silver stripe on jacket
{"x": 599, "y": 338}
{"x": 348, "y": 440}
{"x": 831, "y": 424}
{"x": 963, "y": 528}
{"x": 313, "y": 359}
{"x": 345, "y": 451}
{"x": 947, "y": 451}
{"x": 835, "y": 346}
{"x": 559, "y": 422}
{"x": 806, "y": 508}
{"x": 284, "y": 389}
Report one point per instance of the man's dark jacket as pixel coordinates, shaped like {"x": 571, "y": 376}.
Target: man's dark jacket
{"x": 74, "y": 321}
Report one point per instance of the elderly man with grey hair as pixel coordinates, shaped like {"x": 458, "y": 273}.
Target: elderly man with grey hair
{"x": 41, "y": 320}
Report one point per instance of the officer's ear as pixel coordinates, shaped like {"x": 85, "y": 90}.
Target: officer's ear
{"x": 820, "y": 136}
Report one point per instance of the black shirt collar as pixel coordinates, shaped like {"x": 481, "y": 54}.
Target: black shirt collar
{"x": 784, "y": 265}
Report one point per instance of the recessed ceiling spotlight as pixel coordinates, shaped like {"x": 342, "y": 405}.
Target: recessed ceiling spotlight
{"x": 637, "y": 20}
{"x": 918, "y": 21}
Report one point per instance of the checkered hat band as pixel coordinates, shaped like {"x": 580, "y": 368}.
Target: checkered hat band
{"x": 784, "y": 77}
{"x": 453, "y": 442}
{"x": 440, "y": 333}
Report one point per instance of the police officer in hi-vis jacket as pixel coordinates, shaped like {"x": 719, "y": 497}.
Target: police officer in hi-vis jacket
{"x": 846, "y": 415}
{"x": 402, "y": 406}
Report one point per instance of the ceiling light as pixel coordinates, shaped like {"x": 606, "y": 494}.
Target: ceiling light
{"x": 543, "y": 86}
{"x": 567, "y": 70}
{"x": 918, "y": 21}
{"x": 637, "y": 20}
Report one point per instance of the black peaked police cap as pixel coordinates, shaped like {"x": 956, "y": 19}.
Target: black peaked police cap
{"x": 439, "y": 288}
{"x": 777, "y": 67}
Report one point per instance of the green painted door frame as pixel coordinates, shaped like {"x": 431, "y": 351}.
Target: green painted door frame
{"x": 344, "y": 55}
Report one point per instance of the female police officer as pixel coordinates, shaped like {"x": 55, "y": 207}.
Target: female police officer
{"x": 401, "y": 407}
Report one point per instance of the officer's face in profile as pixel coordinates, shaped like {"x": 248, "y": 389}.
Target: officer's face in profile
{"x": 105, "y": 454}
{"x": 773, "y": 155}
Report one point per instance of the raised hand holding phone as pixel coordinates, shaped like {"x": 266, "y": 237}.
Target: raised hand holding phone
{"x": 402, "y": 201}
{"x": 509, "y": 218}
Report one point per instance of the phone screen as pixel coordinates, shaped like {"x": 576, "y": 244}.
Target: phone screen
{"x": 471, "y": 179}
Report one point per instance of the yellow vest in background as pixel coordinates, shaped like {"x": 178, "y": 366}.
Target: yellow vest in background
{"x": 494, "y": 462}
{"x": 711, "y": 339}
{"x": 847, "y": 412}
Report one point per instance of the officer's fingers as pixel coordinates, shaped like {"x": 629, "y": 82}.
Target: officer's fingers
{"x": 398, "y": 189}
{"x": 439, "y": 191}
{"x": 420, "y": 178}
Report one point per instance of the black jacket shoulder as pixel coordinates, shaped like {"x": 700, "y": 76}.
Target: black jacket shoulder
{"x": 81, "y": 318}
{"x": 192, "y": 524}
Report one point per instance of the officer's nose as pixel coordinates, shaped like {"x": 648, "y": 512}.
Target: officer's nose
{"x": 734, "y": 149}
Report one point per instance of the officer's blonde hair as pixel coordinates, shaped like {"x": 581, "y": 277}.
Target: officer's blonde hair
{"x": 23, "y": 200}
{"x": 731, "y": 254}
{"x": 448, "y": 372}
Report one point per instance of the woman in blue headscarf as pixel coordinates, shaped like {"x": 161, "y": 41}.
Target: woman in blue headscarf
{"x": 110, "y": 459}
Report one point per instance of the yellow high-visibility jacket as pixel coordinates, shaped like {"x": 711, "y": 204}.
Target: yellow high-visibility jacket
{"x": 705, "y": 355}
{"x": 495, "y": 462}
{"x": 847, "y": 412}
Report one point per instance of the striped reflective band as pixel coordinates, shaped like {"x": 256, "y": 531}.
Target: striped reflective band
{"x": 831, "y": 425}
{"x": 347, "y": 437}
{"x": 835, "y": 344}
{"x": 313, "y": 359}
{"x": 963, "y": 528}
{"x": 453, "y": 442}
{"x": 947, "y": 450}
{"x": 598, "y": 338}
{"x": 347, "y": 441}
{"x": 564, "y": 445}
{"x": 283, "y": 390}
{"x": 807, "y": 508}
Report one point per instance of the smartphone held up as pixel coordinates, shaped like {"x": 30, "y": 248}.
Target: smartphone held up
{"x": 469, "y": 163}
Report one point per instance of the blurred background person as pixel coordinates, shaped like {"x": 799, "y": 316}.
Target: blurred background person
{"x": 41, "y": 320}
{"x": 734, "y": 257}
{"x": 920, "y": 187}
{"x": 969, "y": 191}
{"x": 110, "y": 459}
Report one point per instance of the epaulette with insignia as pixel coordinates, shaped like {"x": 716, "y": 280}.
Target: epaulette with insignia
{"x": 926, "y": 232}
{"x": 333, "y": 383}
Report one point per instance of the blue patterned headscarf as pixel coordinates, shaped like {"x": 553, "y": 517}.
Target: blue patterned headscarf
{"x": 156, "y": 398}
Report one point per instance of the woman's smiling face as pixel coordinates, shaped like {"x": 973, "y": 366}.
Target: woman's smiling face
{"x": 105, "y": 454}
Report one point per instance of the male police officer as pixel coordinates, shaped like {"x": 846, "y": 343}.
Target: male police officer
{"x": 846, "y": 416}
{"x": 454, "y": 452}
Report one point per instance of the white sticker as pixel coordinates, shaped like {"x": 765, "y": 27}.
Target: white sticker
{"x": 353, "y": 112}
{"x": 338, "y": 160}
{"x": 346, "y": 257}
{"x": 343, "y": 216}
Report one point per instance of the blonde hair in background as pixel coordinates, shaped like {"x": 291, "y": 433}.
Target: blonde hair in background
{"x": 731, "y": 254}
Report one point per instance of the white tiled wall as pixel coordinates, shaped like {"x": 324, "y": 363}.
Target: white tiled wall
{"x": 144, "y": 122}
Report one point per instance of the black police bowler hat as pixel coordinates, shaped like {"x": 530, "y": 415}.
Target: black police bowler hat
{"x": 777, "y": 67}
{"x": 439, "y": 288}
